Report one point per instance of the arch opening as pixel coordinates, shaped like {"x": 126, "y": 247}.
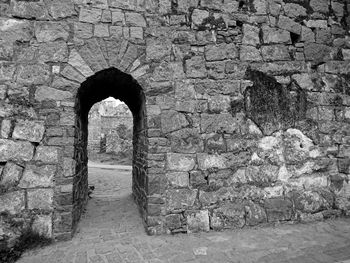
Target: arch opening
{"x": 104, "y": 84}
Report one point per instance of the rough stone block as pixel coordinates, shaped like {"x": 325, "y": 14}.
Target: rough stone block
{"x": 32, "y": 131}
{"x": 180, "y": 199}
{"x": 250, "y": 53}
{"x": 180, "y": 162}
{"x": 316, "y": 23}
{"x": 53, "y": 52}
{"x": 6, "y": 126}
{"x": 46, "y": 154}
{"x": 223, "y": 122}
{"x": 278, "y": 209}
{"x": 178, "y": 179}
{"x": 294, "y": 10}
{"x": 60, "y": 9}
{"x": 313, "y": 201}
{"x": 15, "y": 150}
{"x": 197, "y": 221}
{"x": 172, "y": 121}
{"x": 40, "y": 199}
{"x": 46, "y": 31}
{"x": 229, "y": 215}
{"x": 83, "y": 30}
{"x": 289, "y": 24}
{"x": 275, "y": 52}
{"x": 255, "y": 214}
{"x": 43, "y": 93}
{"x": 173, "y": 221}
{"x": 344, "y": 165}
{"x": 13, "y": 202}
{"x": 198, "y": 16}
{"x": 275, "y": 35}
{"x": 29, "y": 10}
{"x": 38, "y": 176}
{"x": 221, "y": 52}
{"x": 251, "y": 35}
{"x": 135, "y": 19}
{"x": 11, "y": 175}
{"x": 321, "y": 6}
{"x": 195, "y": 67}
{"x": 35, "y": 74}
{"x": 69, "y": 166}
{"x": 90, "y": 15}
{"x": 207, "y": 161}
{"x": 157, "y": 49}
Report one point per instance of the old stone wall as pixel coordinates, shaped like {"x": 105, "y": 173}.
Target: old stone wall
{"x": 245, "y": 115}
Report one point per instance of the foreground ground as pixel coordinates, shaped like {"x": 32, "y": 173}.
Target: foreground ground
{"x": 111, "y": 231}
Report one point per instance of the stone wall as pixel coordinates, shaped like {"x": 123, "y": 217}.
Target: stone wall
{"x": 243, "y": 117}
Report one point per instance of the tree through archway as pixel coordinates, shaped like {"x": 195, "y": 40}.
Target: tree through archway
{"x": 109, "y": 83}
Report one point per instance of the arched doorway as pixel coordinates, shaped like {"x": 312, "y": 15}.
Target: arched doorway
{"x": 109, "y": 83}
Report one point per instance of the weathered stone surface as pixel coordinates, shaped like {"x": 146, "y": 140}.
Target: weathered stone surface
{"x": 38, "y": 176}
{"x": 29, "y": 10}
{"x": 198, "y": 16}
{"x": 255, "y": 214}
{"x": 43, "y": 93}
{"x": 11, "y": 175}
{"x": 13, "y": 202}
{"x": 15, "y": 30}
{"x": 46, "y": 154}
{"x": 61, "y": 9}
{"x": 223, "y": 122}
{"x": 317, "y": 52}
{"x": 275, "y": 52}
{"x": 186, "y": 141}
{"x": 6, "y": 126}
{"x": 312, "y": 201}
{"x": 135, "y": 19}
{"x": 178, "y": 179}
{"x": 40, "y": 199}
{"x": 15, "y": 150}
{"x": 289, "y": 25}
{"x": 173, "y": 221}
{"x": 294, "y": 10}
{"x": 172, "y": 121}
{"x": 51, "y": 31}
{"x": 195, "y": 67}
{"x": 197, "y": 221}
{"x": 275, "y": 35}
{"x": 69, "y": 166}
{"x": 250, "y": 53}
{"x": 250, "y": 35}
{"x": 180, "y": 199}
{"x": 180, "y": 162}
{"x": 229, "y": 215}
{"x": 221, "y": 52}
{"x": 90, "y": 15}
{"x": 157, "y": 49}
{"x": 207, "y": 161}
{"x": 35, "y": 74}
{"x": 320, "y": 5}
{"x": 29, "y": 130}
{"x": 53, "y": 52}
{"x": 278, "y": 209}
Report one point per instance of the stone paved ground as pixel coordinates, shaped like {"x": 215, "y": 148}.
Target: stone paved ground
{"x": 111, "y": 231}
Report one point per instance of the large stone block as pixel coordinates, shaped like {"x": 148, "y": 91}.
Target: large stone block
{"x": 35, "y": 74}
{"x": 32, "y": 131}
{"x": 135, "y": 19}
{"x": 40, "y": 199}
{"x": 317, "y": 52}
{"x": 221, "y": 52}
{"x": 46, "y": 31}
{"x": 90, "y": 15}
{"x": 53, "y": 52}
{"x": 255, "y": 214}
{"x": 197, "y": 221}
{"x": 195, "y": 67}
{"x": 313, "y": 201}
{"x": 43, "y": 93}
{"x": 15, "y": 150}
{"x": 172, "y": 120}
{"x": 13, "y": 202}
{"x": 209, "y": 161}
{"x": 250, "y": 53}
{"x": 60, "y": 9}
{"x": 229, "y": 215}
{"x": 46, "y": 154}
{"x": 178, "y": 179}
{"x": 275, "y": 52}
{"x": 157, "y": 49}
{"x": 289, "y": 24}
{"x": 11, "y": 175}
{"x": 251, "y": 35}
{"x": 38, "y": 176}
{"x": 223, "y": 122}
{"x": 278, "y": 209}
{"x": 180, "y": 162}
{"x": 29, "y": 9}
{"x": 42, "y": 225}
{"x": 180, "y": 199}
{"x": 186, "y": 141}
{"x": 15, "y": 30}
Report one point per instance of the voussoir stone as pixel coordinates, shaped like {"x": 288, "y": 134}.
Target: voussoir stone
{"x": 38, "y": 176}
{"x": 29, "y": 130}
{"x": 15, "y": 150}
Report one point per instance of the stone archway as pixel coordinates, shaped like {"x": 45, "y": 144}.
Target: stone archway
{"x": 109, "y": 83}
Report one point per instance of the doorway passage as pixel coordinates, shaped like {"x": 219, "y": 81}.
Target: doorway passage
{"x": 104, "y": 84}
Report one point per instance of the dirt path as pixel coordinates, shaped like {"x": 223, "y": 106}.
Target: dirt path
{"x": 111, "y": 231}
